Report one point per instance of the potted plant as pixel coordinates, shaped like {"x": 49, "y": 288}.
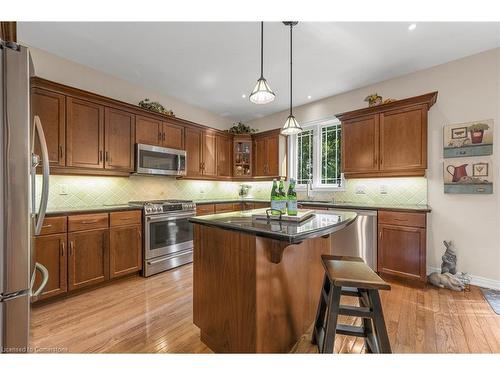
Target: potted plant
{"x": 477, "y": 131}
{"x": 373, "y": 100}
{"x": 241, "y": 128}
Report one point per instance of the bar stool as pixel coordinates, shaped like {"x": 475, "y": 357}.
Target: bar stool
{"x": 350, "y": 276}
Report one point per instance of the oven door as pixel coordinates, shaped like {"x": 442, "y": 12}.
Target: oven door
{"x": 159, "y": 160}
{"x": 167, "y": 234}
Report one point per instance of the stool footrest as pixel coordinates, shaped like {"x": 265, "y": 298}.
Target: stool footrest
{"x": 350, "y": 291}
{"x": 361, "y": 312}
{"x": 345, "y": 329}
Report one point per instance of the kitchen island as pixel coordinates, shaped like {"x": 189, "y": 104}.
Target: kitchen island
{"x": 257, "y": 282}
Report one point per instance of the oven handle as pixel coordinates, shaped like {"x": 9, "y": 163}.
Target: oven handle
{"x": 152, "y": 219}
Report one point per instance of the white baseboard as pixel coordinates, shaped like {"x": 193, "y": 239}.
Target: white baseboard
{"x": 475, "y": 280}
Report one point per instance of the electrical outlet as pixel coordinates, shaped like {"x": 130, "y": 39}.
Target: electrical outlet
{"x": 63, "y": 189}
{"x": 360, "y": 189}
{"x": 383, "y": 189}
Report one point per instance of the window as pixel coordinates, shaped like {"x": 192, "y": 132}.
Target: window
{"x": 315, "y": 155}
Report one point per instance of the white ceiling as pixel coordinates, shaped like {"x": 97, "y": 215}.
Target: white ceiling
{"x": 211, "y": 64}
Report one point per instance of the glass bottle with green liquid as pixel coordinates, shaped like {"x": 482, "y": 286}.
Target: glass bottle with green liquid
{"x": 282, "y": 197}
{"x": 274, "y": 196}
{"x": 291, "y": 202}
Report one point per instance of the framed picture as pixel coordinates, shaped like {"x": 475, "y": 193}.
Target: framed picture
{"x": 467, "y": 176}
{"x": 468, "y": 139}
{"x": 480, "y": 169}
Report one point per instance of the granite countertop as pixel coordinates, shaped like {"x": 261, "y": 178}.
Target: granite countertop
{"x": 89, "y": 209}
{"x": 229, "y": 200}
{"x": 319, "y": 224}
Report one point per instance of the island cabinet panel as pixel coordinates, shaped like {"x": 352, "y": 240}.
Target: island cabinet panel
{"x": 125, "y": 250}
{"x": 245, "y": 303}
{"x": 84, "y": 134}
{"x": 173, "y": 135}
{"x": 51, "y": 252}
{"x": 119, "y": 140}
{"x": 403, "y": 139}
{"x": 193, "y": 142}
{"x": 88, "y": 260}
{"x": 148, "y": 130}
{"x": 402, "y": 245}
{"x": 50, "y": 107}
{"x": 360, "y": 144}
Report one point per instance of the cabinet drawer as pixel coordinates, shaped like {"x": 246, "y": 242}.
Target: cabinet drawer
{"x": 86, "y": 222}
{"x": 125, "y": 218}
{"x": 205, "y": 209}
{"x": 238, "y": 206}
{"x": 53, "y": 225}
{"x": 261, "y": 205}
{"x": 408, "y": 219}
{"x": 224, "y": 207}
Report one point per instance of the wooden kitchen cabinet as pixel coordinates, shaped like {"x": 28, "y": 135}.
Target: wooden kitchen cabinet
{"x": 402, "y": 245}
{"x": 84, "y": 134}
{"x": 270, "y": 153}
{"x": 387, "y": 140}
{"x": 125, "y": 250}
{"x": 51, "y": 108}
{"x": 205, "y": 209}
{"x": 193, "y": 142}
{"x": 51, "y": 252}
{"x": 88, "y": 258}
{"x": 208, "y": 154}
{"x": 148, "y": 130}
{"x": 242, "y": 156}
{"x": 223, "y": 155}
{"x": 119, "y": 140}
{"x": 224, "y": 207}
{"x": 173, "y": 135}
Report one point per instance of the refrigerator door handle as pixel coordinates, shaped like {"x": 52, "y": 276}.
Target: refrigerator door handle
{"x": 45, "y": 278}
{"x": 46, "y": 172}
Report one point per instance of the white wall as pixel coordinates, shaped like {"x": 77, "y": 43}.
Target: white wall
{"x": 469, "y": 89}
{"x": 70, "y": 73}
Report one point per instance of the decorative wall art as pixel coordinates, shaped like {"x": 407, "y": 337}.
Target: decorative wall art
{"x": 468, "y": 139}
{"x": 468, "y": 176}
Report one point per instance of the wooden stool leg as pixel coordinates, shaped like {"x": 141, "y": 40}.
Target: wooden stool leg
{"x": 331, "y": 320}
{"x": 368, "y": 328}
{"x": 320, "y": 313}
{"x": 378, "y": 319}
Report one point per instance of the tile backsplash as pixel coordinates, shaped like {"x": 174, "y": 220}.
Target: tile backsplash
{"x": 84, "y": 191}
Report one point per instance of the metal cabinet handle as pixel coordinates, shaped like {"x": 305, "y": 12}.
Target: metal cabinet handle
{"x": 71, "y": 248}
{"x": 89, "y": 221}
{"x": 163, "y": 136}
{"x": 62, "y": 248}
{"x": 159, "y": 136}
{"x": 46, "y": 226}
{"x": 106, "y": 156}
{"x": 60, "y": 151}
{"x": 380, "y": 234}
{"x": 100, "y": 155}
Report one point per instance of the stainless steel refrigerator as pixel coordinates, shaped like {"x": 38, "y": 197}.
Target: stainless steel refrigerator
{"x": 20, "y": 220}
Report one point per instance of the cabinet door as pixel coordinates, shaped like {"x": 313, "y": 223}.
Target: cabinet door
{"x": 84, "y": 134}
{"x": 224, "y": 153}
{"x": 88, "y": 261}
{"x": 209, "y": 154}
{"x": 125, "y": 250}
{"x": 272, "y": 152}
{"x": 173, "y": 136}
{"x": 51, "y": 252}
{"x": 260, "y": 157}
{"x": 403, "y": 139}
{"x": 401, "y": 251}
{"x": 193, "y": 152}
{"x": 119, "y": 140}
{"x": 360, "y": 144}
{"x": 148, "y": 131}
{"x": 50, "y": 107}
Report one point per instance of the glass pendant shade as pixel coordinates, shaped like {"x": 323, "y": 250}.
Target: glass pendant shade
{"x": 262, "y": 93}
{"x": 291, "y": 126}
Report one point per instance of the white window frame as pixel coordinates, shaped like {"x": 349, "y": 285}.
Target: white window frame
{"x": 317, "y": 127}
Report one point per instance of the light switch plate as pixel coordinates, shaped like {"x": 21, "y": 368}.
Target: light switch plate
{"x": 63, "y": 189}
{"x": 360, "y": 189}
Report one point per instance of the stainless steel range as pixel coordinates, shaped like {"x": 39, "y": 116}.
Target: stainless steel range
{"x": 168, "y": 234}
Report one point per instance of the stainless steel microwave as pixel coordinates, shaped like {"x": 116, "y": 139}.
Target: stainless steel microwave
{"x": 156, "y": 160}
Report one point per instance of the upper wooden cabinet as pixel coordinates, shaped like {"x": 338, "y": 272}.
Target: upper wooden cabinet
{"x": 119, "y": 140}
{"x": 148, "y": 131}
{"x": 172, "y": 135}
{"x": 50, "y": 107}
{"x": 270, "y": 155}
{"x": 193, "y": 142}
{"x": 208, "y": 154}
{"x": 223, "y": 158}
{"x": 84, "y": 134}
{"x": 386, "y": 140}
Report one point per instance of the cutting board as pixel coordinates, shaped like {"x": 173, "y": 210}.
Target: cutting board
{"x": 301, "y": 216}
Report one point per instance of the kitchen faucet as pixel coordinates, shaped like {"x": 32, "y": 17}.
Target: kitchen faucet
{"x": 309, "y": 185}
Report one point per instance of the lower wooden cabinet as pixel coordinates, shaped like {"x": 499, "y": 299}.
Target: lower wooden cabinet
{"x": 88, "y": 260}
{"x": 224, "y": 207}
{"x": 51, "y": 252}
{"x": 402, "y": 245}
{"x": 125, "y": 250}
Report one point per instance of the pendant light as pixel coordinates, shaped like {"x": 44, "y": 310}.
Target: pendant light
{"x": 291, "y": 125}
{"x": 262, "y": 93}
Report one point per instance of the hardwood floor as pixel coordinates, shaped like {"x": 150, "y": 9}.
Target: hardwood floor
{"x": 154, "y": 315}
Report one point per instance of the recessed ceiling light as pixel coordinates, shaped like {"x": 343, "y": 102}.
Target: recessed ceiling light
{"x": 309, "y": 96}
{"x": 243, "y": 96}
{"x": 412, "y": 27}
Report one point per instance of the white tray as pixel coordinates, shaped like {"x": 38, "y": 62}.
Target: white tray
{"x": 301, "y": 215}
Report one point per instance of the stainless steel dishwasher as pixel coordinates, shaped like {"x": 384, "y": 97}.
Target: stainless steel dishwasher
{"x": 359, "y": 238}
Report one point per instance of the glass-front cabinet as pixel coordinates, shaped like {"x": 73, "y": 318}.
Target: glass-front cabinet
{"x": 242, "y": 148}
